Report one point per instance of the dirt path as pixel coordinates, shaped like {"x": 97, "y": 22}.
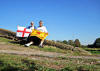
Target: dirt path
{"x": 20, "y": 50}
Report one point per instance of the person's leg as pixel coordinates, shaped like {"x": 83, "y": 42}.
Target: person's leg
{"x": 30, "y": 41}
{"x": 41, "y": 43}
{"x": 28, "y": 44}
{"x": 38, "y": 42}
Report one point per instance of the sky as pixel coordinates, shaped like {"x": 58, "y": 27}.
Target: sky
{"x": 64, "y": 19}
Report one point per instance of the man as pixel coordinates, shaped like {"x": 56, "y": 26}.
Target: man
{"x": 34, "y": 39}
{"x": 42, "y": 29}
{"x": 32, "y": 27}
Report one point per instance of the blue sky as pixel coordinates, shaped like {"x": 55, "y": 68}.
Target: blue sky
{"x": 64, "y": 19}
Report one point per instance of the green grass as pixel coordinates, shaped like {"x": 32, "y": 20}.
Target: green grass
{"x": 58, "y": 50}
{"x": 46, "y": 48}
{"x": 19, "y": 63}
{"x": 51, "y": 49}
{"x": 10, "y": 62}
{"x": 81, "y": 68}
{"x": 94, "y": 51}
{"x": 4, "y": 40}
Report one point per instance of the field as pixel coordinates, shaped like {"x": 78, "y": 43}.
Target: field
{"x": 16, "y": 57}
{"x": 94, "y": 51}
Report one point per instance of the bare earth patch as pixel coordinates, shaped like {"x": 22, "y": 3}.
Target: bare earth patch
{"x": 20, "y": 50}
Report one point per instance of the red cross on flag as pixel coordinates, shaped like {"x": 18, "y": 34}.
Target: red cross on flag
{"x": 22, "y": 32}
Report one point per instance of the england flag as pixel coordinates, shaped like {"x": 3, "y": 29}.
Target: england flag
{"x": 23, "y": 32}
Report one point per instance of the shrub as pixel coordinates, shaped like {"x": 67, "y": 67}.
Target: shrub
{"x": 58, "y": 44}
{"x": 77, "y": 43}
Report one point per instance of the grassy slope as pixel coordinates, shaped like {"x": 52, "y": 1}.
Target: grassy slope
{"x": 51, "y": 45}
{"x": 76, "y": 51}
{"x": 8, "y": 62}
{"x": 70, "y": 64}
{"x": 94, "y": 51}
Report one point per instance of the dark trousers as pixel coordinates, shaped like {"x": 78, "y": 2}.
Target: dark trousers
{"x": 34, "y": 39}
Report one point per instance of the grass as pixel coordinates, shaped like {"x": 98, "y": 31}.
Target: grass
{"x": 51, "y": 49}
{"x": 19, "y": 63}
{"x": 4, "y": 40}
{"x": 10, "y": 62}
{"x": 81, "y": 68}
{"x": 47, "y": 48}
{"x": 94, "y": 51}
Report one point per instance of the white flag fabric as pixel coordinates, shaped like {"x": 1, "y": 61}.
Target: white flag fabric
{"x": 23, "y": 32}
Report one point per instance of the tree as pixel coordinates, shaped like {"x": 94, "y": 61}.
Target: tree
{"x": 64, "y": 41}
{"x": 59, "y": 41}
{"x": 97, "y": 40}
{"x": 97, "y": 43}
{"x": 70, "y": 42}
{"x": 77, "y": 43}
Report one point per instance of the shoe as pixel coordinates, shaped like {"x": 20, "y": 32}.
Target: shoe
{"x": 40, "y": 46}
{"x": 27, "y": 45}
